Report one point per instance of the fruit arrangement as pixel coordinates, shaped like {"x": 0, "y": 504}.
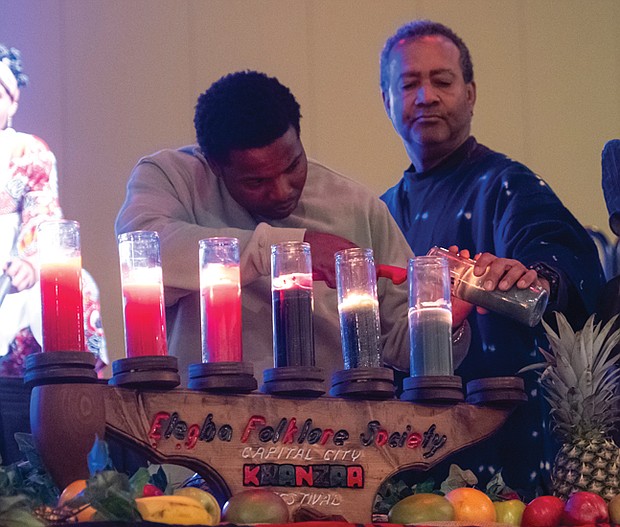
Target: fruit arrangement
{"x": 467, "y": 504}
{"x": 580, "y": 381}
{"x": 29, "y": 498}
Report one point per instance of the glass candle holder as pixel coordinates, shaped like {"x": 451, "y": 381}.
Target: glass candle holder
{"x": 60, "y": 263}
{"x": 430, "y": 316}
{"x": 291, "y": 287}
{"x": 523, "y": 305}
{"x": 220, "y": 300}
{"x": 358, "y": 308}
{"x": 143, "y": 294}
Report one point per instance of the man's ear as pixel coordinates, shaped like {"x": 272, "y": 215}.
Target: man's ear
{"x": 471, "y": 94}
{"x": 216, "y": 168}
{"x": 13, "y": 108}
{"x": 386, "y": 102}
{"x": 14, "y": 105}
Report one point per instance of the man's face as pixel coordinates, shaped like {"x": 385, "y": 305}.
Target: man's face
{"x": 427, "y": 99}
{"x": 267, "y": 181}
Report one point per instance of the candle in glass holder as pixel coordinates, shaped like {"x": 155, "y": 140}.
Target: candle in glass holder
{"x": 291, "y": 286}
{"x": 358, "y": 308}
{"x": 143, "y": 294}
{"x": 220, "y": 295}
{"x": 60, "y": 263}
{"x": 430, "y": 317}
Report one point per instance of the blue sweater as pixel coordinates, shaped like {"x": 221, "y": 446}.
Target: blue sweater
{"x": 485, "y": 202}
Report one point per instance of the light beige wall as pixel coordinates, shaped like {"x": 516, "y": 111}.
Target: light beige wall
{"x": 115, "y": 79}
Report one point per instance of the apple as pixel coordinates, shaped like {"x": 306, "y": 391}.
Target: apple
{"x": 509, "y": 511}
{"x": 255, "y": 506}
{"x": 421, "y": 507}
{"x": 544, "y": 511}
{"x": 585, "y": 507}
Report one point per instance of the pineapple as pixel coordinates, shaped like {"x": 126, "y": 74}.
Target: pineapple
{"x": 580, "y": 382}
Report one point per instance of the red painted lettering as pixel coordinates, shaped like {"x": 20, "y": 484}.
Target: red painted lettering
{"x": 355, "y": 477}
{"x": 291, "y": 430}
{"x": 192, "y": 436}
{"x": 155, "y": 431}
{"x": 414, "y": 440}
{"x": 327, "y": 433}
{"x": 303, "y": 476}
{"x": 382, "y": 437}
{"x": 249, "y": 475}
{"x": 252, "y": 422}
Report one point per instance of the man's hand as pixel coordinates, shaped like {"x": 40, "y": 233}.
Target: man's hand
{"x": 323, "y": 247}
{"x": 504, "y": 273}
{"x": 500, "y": 273}
{"x": 23, "y": 274}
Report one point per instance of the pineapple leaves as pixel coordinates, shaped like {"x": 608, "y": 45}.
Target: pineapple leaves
{"x": 580, "y": 377}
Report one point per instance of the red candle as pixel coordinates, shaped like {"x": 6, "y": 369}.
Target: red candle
{"x": 145, "y": 322}
{"x": 61, "y": 299}
{"x": 221, "y": 314}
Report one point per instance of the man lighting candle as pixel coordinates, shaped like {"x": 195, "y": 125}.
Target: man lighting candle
{"x": 459, "y": 192}
{"x": 249, "y": 178}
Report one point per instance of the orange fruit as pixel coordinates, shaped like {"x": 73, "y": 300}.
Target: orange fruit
{"x": 71, "y": 491}
{"x": 471, "y": 505}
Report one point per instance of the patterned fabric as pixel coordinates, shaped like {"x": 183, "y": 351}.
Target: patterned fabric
{"x": 29, "y": 196}
{"x": 485, "y": 202}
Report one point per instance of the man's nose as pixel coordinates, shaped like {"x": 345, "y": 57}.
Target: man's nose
{"x": 281, "y": 190}
{"x": 426, "y": 95}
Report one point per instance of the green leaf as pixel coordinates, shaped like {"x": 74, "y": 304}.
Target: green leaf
{"x": 457, "y": 477}
{"x": 28, "y": 478}
{"x": 110, "y": 493}
{"x": 390, "y": 493}
{"x": 140, "y": 478}
{"x": 497, "y": 489}
{"x": 427, "y": 486}
{"x": 19, "y": 518}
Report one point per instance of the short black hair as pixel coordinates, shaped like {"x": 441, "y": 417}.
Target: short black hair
{"x": 242, "y": 110}
{"x": 422, "y": 28}
{"x": 13, "y": 59}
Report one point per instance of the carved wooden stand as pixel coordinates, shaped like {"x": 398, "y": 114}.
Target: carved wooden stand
{"x": 328, "y": 453}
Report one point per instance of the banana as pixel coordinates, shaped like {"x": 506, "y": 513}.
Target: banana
{"x": 207, "y": 500}
{"x": 180, "y": 510}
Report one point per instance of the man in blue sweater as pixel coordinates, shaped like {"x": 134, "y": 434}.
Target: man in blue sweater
{"x": 459, "y": 192}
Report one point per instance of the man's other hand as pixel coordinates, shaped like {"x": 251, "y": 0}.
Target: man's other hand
{"x": 323, "y": 246}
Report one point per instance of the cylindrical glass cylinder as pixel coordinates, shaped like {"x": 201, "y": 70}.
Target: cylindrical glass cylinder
{"x": 291, "y": 287}
{"x": 358, "y": 308}
{"x": 60, "y": 261}
{"x": 220, "y": 300}
{"x": 143, "y": 294}
{"x": 430, "y": 316}
{"x": 523, "y": 305}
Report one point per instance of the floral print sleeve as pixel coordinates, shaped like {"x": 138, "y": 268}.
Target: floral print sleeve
{"x": 29, "y": 195}
{"x": 32, "y": 191}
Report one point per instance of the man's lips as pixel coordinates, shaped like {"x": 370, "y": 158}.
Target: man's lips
{"x": 289, "y": 206}
{"x": 429, "y": 118}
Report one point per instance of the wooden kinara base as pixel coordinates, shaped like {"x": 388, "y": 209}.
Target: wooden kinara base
{"x": 325, "y": 452}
